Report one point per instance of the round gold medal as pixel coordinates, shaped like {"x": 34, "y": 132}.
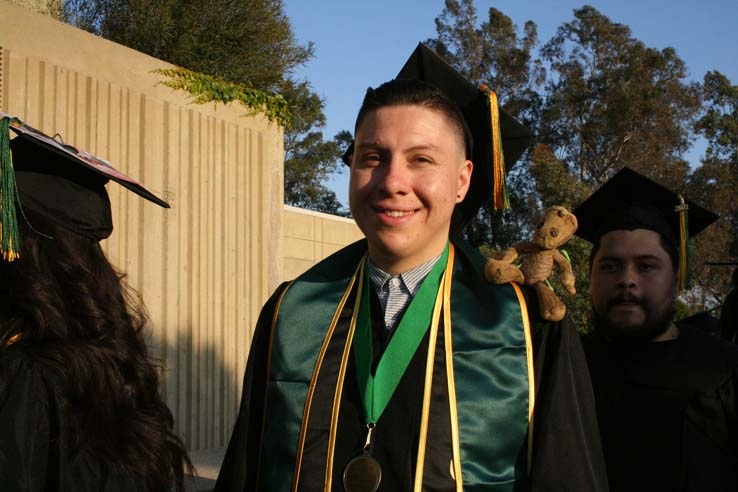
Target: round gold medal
{"x": 362, "y": 474}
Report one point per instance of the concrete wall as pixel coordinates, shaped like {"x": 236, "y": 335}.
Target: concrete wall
{"x": 205, "y": 266}
{"x": 308, "y": 237}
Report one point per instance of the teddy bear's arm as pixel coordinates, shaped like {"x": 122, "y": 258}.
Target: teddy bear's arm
{"x": 567, "y": 274}
{"x": 509, "y": 255}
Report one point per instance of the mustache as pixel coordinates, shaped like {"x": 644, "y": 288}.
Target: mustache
{"x": 625, "y": 298}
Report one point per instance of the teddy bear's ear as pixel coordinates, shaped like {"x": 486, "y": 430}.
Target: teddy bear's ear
{"x": 562, "y": 212}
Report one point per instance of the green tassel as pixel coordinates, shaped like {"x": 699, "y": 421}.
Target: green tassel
{"x": 8, "y": 223}
{"x": 688, "y": 254}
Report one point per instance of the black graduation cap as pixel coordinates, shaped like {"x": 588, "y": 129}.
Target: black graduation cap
{"x": 487, "y": 124}
{"x": 57, "y": 181}
{"x": 629, "y": 201}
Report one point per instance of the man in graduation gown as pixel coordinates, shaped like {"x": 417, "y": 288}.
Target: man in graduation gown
{"x": 666, "y": 392}
{"x": 393, "y": 364}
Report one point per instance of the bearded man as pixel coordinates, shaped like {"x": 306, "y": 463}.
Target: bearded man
{"x": 665, "y": 391}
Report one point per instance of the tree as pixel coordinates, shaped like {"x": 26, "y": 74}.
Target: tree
{"x": 715, "y": 185}
{"x": 308, "y": 157}
{"x": 497, "y": 54}
{"x": 612, "y": 101}
{"x": 719, "y": 123}
{"x": 248, "y": 42}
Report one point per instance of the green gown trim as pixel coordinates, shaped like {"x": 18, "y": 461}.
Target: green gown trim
{"x": 490, "y": 367}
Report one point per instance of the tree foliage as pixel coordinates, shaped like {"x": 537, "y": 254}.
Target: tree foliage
{"x": 612, "y": 101}
{"x": 207, "y": 88}
{"x": 715, "y": 184}
{"x": 719, "y": 123}
{"x": 248, "y": 43}
{"x": 309, "y": 158}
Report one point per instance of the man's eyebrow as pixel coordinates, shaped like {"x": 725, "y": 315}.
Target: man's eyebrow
{"x": 368, "y": 145}
{"x": 425, "y": 146}
{"x": 647, "y": 257}
{"x": 379, "y": 146}
{"x": 609, "y": 258}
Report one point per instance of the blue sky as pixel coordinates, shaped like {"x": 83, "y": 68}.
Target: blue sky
{"x": 360, "y": 44}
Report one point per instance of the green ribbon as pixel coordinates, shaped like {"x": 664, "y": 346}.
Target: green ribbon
{"x": 377, "y": 390}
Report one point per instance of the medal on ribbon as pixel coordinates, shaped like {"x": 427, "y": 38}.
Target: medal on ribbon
{"x": 363, "y": 472}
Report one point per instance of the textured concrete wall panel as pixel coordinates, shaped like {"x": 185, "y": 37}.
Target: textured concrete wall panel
{"x": 308, "y": 237}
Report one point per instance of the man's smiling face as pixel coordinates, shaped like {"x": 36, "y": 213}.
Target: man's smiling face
{"x": 408, "y": 172}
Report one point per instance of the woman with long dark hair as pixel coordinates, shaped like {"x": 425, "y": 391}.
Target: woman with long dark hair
{"x": 80, "y": 408}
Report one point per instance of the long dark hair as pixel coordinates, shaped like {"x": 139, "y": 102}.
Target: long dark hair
{"x": 69, "y": 310}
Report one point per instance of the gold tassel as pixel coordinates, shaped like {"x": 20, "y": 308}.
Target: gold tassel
{"x": 500, "y": 200}
{"x": 683, "y": 276}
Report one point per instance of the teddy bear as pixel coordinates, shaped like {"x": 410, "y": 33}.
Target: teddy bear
{"x": 553, "y": 230}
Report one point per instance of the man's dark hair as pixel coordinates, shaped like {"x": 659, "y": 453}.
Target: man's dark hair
{"x": 415, "y": 92}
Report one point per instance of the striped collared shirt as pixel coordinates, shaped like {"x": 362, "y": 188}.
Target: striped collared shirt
{"x": 396, "y": 291}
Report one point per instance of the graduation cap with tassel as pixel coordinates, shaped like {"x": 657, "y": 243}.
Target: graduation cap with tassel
{"x": 57, "y": 181}
{"x": 630, "y": 201}
{"x": 498, "y": 140}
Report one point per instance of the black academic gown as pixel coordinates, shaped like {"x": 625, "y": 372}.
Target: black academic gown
{"x": 667, "y": 412}
{"x": 566, "y": 450}
{"x": 31, "y": 422}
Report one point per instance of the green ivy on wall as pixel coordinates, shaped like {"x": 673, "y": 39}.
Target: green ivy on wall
{"x": 207, "y": 88}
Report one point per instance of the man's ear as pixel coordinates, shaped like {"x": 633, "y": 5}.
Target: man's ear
{"x": 465, "y": 172}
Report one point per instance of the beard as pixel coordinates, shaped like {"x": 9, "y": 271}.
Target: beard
{"x": 656, "y": 322}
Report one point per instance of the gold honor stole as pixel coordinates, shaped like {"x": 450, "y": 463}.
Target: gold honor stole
{"x": 488, "y": 363}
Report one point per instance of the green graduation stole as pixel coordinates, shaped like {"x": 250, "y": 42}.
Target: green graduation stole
{"x": 489, "y": 360}
{"x": 376, "y": 390}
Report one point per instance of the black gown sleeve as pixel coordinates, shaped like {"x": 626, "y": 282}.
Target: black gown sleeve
{"x": 240, "y": 464}
{"x": 711, "y": 439}
{"x": 567, "y": 454}
{"x": 711, "y": 431}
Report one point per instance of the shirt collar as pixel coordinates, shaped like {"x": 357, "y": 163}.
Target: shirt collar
{"x": 411, "y": 279}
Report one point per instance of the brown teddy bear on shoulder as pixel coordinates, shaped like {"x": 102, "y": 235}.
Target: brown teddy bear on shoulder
{"x": 554, "y": 229}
